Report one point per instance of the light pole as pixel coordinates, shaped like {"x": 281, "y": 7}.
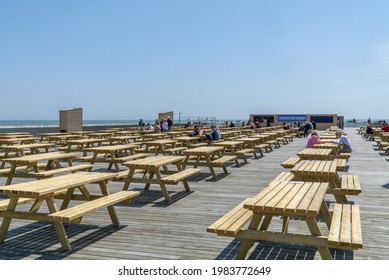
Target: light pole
{"x": 179, "y": 119}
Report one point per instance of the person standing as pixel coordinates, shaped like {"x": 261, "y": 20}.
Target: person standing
{"x": 141, "y": 124}
{"x": 164, "y": 125}
{"x": 169, "y": 124}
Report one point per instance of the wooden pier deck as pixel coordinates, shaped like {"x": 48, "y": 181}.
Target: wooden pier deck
{"x": 154, "y": 230}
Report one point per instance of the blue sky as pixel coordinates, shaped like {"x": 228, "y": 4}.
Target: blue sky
{"x": 217, "y": 58}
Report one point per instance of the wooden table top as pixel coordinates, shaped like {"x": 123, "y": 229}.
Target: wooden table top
{"x": 48, "y": 186}
{"x": 315, "y": 153}
{"x": 203, "y": 150}
{"x": 18, "y": 140}
{"x": 111, "y": 148}
{"x": 228, "y": 143}
{"x": 27, "y": 146}
{"x": 84, "y": 141}
{"x": 317, "y": 167}
{"x": 155, "y": 161}
{"x": 161, "y": 142}
{"x": 38, "y": 157}
{"x": 290, "y": 198}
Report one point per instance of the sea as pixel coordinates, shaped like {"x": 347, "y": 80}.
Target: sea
{"x": 55, "y": 123}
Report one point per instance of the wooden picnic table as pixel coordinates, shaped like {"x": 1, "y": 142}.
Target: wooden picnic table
{"x": 43, "y": 136}
{"x": 210, "y": 156}
{"x": 124, "y": 139}
{"x": 62, "y": 139}
{"x": 297, "y": 201}
{"x": 159, "y": 146}
{"x": 100, "y": 135}
{"x": 80, "y": 145}
{"x": 152, "y": 174}
{"x": 29, "y": 167}
{"x": 18, "y": 140}
{"x": 111, "y": 154}
{"x": 315, "y": 154}
{"x": 304, "y": 201}
{"x": 19, "y": 150}
{"x": 152, "y": 136}
{"x": 326, "y": 171}
{"x": 61, "y": 187}
{"x": 15, "y": 135}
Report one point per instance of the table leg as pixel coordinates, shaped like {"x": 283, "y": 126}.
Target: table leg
{"x": 10, "y": 174}
{"x": 162, "y": 185}
{"x": 151, "y": 175}
{"x": 59, "y": 227}
{"x": 184, "y": 181}
{"x": 315, "y": 231}
{"x": 247, "y": 243}
{"x": 7, "y": 221}
{"x": 209, "y": 163}
{"x": 111, "y": 209}
{"x": 129, "y": 176}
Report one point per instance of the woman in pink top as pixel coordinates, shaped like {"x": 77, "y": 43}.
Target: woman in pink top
{"x": 314, "y": 139}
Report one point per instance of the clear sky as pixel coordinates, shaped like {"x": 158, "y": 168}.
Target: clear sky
{"x": 218, "y": 58}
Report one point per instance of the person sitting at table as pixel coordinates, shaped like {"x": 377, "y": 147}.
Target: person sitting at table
{"x": 313, "y": 139}
{"x": 214, "y": 134}
{"x": 385, "y": 127}
{"x": 344, "y": 142}
{"x": 369, "y": 128}
{"x": 195, "y": 132}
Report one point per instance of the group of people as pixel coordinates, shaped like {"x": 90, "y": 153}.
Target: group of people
{"x": 342, "y": 140}
{"x": 163, "y": 125}
{"x": 213, "y": 135}
{"x": 370, "y": 127}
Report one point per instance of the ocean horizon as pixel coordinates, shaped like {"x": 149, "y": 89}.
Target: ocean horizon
{"x": 55, "y": 123}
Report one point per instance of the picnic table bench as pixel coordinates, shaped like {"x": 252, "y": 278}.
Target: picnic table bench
{"x": 326, "y": 171}
{"x": 30, "y": 166}
{"x": 113, "y": 154}
{"x": 48, "y": 190}
{"x": 250, "y": 220}
{"x": 152, "y": 169}
{"x": 210, "y": 156}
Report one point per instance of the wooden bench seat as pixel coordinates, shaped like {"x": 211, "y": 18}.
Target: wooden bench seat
{"x": 140, "y": 150}
{"x": 130, "y": 157}
{"x": 283, "y": 140}
{"x": 5, "y": 171}
{"x": 345, "y": 156}
{"x": 198, "y": 145}
{"x": 273, "y": 142}
{"x": 176, "y": 177}
{"x": 49, "y": 173}
{"x": 123, "y": 174}
{"x": 75, "y": 212}
{"x": 291, "y": 162}
{"x": 350, "y": 185}
{"x": 89, "y": 158}
{"x": 283, "y": 177}
{"x": 242, "y": 153}
{"x": 232, "y": 222}
{"x": 341, "y": 164}
{"x": 345, "y": 231}
{"x": 176, "y": 151}
{"x": 383, "y": 145}
{"x": 264, "y": 146}
{"x": 221, "y": 161}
